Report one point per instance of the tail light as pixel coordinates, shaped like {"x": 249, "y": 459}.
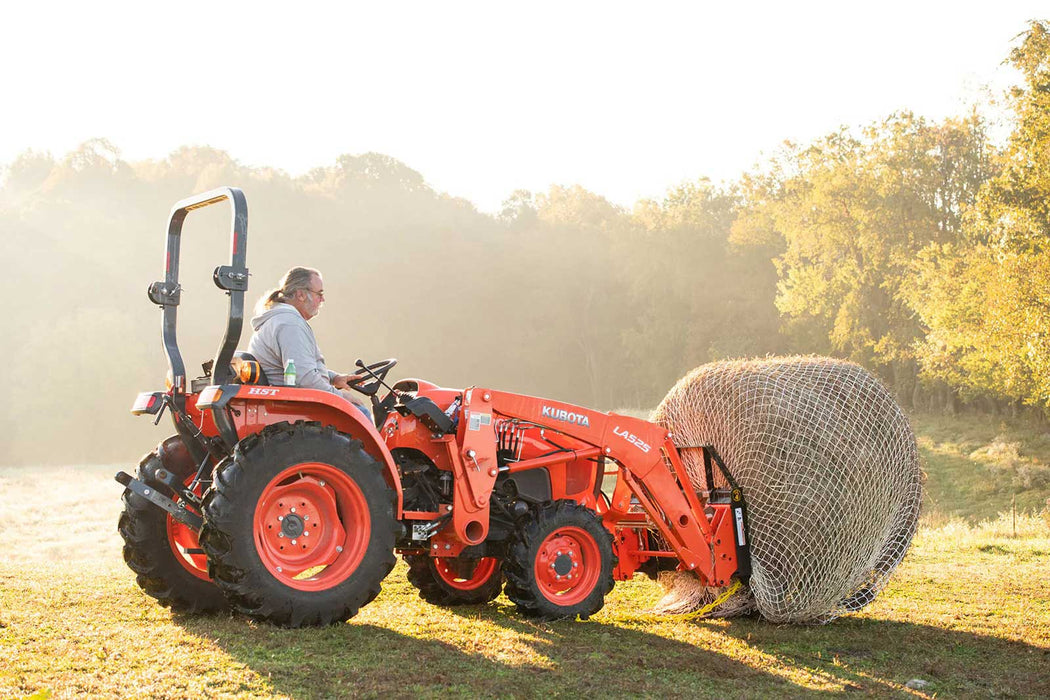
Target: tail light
{"x": 148, "y": 402}
{"x": 209, "y": 396}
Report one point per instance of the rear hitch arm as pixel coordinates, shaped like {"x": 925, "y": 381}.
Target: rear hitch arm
{"x": 177, "y": 511}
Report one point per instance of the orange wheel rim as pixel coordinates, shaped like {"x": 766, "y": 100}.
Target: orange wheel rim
{"x": 184, "y": 543}
{"x": 568, "y": 566}
{"x": 465, "y": 575}
{"x": 312, "y": 526}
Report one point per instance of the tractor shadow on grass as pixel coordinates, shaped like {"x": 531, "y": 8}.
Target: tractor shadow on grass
{"x": 850, "y": 654}
{"x": 491, "y": 652}
{"x": 867, "y": 654}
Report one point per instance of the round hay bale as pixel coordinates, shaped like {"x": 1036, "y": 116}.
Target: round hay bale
{"x": 830, "y": 471}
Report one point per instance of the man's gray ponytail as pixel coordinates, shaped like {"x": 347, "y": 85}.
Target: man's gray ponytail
{"x": 295, "y": 279}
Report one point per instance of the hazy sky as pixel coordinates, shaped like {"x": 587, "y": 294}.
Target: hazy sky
{"x": 483, "y": 98}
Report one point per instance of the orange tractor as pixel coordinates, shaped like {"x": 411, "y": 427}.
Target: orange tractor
{"x": 288, "y": 505}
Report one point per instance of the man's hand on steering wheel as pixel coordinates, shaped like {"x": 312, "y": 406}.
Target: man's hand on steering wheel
{"x": 344, "y": 381}
{"x": 356, "y": 380}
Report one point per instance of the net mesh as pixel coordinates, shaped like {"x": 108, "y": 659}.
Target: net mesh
{"x": 830, "y": 471}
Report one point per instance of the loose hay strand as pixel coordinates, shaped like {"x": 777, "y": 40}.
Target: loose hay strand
{"x": 708, "y": 610}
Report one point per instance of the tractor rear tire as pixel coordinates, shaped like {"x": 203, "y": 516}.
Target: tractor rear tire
{"x": 448, "y": 582}
{"x": 160, "y": 550}
{"x": 299, "y": 526}
{"x": 561, "y": 563}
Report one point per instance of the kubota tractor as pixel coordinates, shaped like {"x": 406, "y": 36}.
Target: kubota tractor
{"x": 288, "y": 505}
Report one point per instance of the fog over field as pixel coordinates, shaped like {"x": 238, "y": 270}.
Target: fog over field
{"x": 913, "y": 246}
{"x": 69, "y": 514}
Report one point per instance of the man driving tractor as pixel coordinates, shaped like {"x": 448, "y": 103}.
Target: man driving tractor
{"x": 282, "y": 333}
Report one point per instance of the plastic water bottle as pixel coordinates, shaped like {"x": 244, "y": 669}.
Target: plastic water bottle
{"x": 289, "y": 373}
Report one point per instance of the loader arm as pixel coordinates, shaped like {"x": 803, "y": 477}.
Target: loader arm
{"x": 652, "y": 472}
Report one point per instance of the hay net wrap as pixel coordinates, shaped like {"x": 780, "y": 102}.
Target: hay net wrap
{"x": 830, "y": 471}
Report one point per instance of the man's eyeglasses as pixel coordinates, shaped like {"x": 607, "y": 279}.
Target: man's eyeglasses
{"x": 318, "y": 292}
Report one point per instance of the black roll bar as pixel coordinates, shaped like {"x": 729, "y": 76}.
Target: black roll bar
{"x": 232, "y": 278}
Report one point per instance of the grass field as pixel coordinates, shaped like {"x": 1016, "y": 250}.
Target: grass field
{"x": 968, "y": 612}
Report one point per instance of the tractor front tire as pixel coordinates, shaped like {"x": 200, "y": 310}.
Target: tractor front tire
{"x": 299, "y": 526}
{"x": 561, "y": 563}
{"x": 448, "y": 582}
{"x": 163, "y": 553}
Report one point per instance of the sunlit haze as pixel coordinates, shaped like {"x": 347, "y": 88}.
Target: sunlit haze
{"x": 485, "y": 98}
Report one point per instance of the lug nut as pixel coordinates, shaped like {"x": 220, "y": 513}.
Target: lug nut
{"x": 293, "y": 509}
{"x": 306, "y": 534}
{"x": 280, "y": 518}
{"x": 306, "y": 517}
{"x": 280, "y": 534}
{"x": 294, "y": 542}
{"x": 322, "y": 482}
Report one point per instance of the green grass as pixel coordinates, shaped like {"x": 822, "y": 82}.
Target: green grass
{"x": 968, "y": 612}
{"x": 979, "y": 466}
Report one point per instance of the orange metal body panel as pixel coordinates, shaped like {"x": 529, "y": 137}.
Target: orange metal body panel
{"x": 200, "y": 417}
{"x": 652, "y": 490}
{"x": 651, "y": 477}
{"x": 255, "y": 407}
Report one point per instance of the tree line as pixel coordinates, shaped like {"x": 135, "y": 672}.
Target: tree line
{"x": 917, "y": 248}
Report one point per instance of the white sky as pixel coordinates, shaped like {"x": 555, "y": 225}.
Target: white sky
{"x": 626, "y": 99}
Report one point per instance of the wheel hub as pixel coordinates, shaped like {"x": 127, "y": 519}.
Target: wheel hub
{"x": 563, "y": 564}
{"x": 292, "y": 525}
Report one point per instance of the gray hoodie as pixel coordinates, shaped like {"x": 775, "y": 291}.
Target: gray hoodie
{"x": 281, "y": 333}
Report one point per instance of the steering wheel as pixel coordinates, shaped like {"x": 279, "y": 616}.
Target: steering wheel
{"x": 369, "y": 385}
